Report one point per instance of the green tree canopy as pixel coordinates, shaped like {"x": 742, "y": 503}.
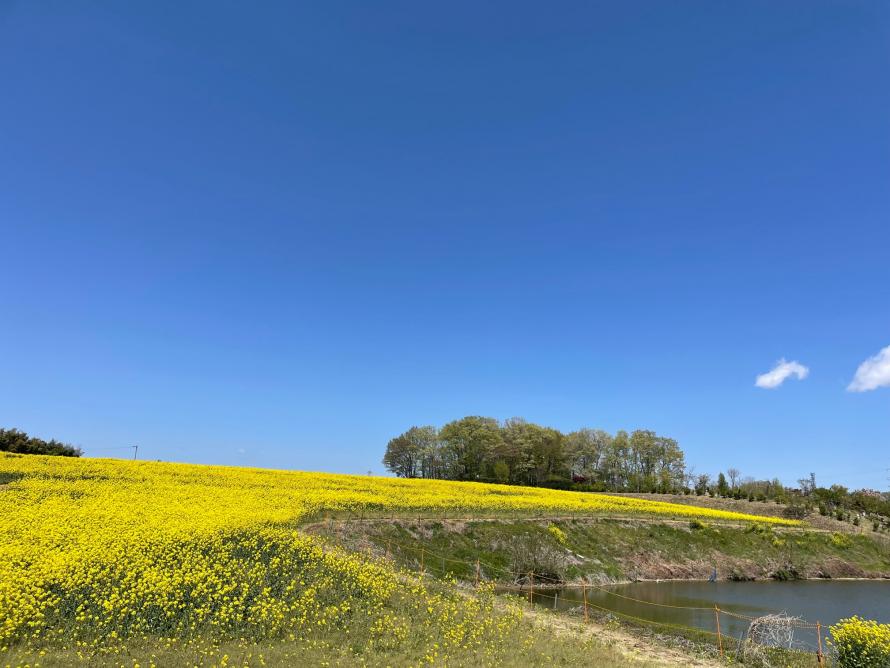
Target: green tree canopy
{"x": 521, "y": 452}
{"x": 13, "y": 440}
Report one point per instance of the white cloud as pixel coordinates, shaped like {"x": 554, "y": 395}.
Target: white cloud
{"x": 777, "y": 375}
{"x": 872, "y": 373}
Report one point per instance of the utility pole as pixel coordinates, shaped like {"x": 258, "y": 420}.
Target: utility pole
{"x": 135, "y": 451}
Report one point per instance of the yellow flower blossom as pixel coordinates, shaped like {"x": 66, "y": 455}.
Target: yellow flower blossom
{"x": 99, "y": 552}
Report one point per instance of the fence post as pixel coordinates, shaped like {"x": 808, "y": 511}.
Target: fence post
{"x": 820, "y": 656}
{"x": 586, "y": 616}
{"x": 719, "y": 637}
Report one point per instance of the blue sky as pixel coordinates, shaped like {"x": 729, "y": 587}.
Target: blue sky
{"x": 279, "y": 235}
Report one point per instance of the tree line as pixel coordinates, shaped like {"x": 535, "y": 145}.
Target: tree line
{"x": 808, "y": 497}
{"x": 523, "y": 453}
{"x": 13, "y": 440}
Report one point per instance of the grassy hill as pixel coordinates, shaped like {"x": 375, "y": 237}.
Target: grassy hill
{"x": 605, "y": 550}
{"x": 103, "y": 559}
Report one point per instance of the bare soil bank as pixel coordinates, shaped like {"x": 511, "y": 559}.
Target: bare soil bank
{"x": 612, "y": 550}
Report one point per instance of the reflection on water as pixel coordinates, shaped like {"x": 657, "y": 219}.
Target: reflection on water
{"x": 822, "y": 601}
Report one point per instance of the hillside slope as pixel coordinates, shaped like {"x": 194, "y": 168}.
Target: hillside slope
{"x": 614, "y": 550}
{"x": 104, "y": 560}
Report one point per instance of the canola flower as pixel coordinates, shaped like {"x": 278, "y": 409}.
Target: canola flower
{"x": 860, "y": 643}
{"x": 95, "y": 552}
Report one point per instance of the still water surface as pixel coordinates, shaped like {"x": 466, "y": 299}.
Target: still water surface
{"x": 822, "y": 601}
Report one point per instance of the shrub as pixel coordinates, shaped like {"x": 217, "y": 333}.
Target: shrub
{"x": 795, "y": 511}
{"x": 860, "y": 643}
{"x": 529, "y": 553}
{"x": 841, "y": 540}
{"x": 760, "y": 529}
{"x": 558, "y": 534}
{"x": 697, "y": 524}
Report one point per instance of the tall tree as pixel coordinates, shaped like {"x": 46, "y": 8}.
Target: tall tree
{"x": 401, "y": 456}
{"x": 412, "y": 453}
{"x": 515, "y": 450}
{"x": 548, "y": 455}
{"x": 470, "y": 443}
{"x": 520, "y": 452}
{"x": 585, "y": 451}
{"x": 733, "y": 474}
{"x": 616, "y": 464}
{"x": 671, "y": 464}
{"x": 426, "y": 440}
{"x": 702, "y": 484}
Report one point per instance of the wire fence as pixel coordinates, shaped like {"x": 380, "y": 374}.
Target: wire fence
{"x": 457, "y": 514}
{"x": 541, "y": 588}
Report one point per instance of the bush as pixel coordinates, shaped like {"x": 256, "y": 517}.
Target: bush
{"x": 697, "y": 524}
{"x": 860, "y": 643}
{"x": 841, "y": 540}
{"x": 760, "y": 529}
{"x": 529, "y": 553}
{"x": 558, "y": 534}
{"x": 795, "y": 512}
{"x": 785, "y": 574}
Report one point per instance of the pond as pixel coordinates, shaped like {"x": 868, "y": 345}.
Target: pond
{"x": 691, "y": 604}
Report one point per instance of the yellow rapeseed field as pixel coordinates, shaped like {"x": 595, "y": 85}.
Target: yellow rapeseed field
{"x": 94, "y": 552}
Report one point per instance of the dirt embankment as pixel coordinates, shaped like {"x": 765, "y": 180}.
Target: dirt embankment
{"x": 613, "y": 550}
{"x": 647, "y": 565}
